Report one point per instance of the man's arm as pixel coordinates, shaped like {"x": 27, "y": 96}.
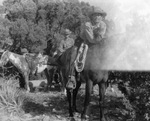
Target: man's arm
{"x": 99, "y": 33}
{"x": 89, "y": 32}
{"x": 103, "y": 29}
{"x": 61, "y": 46}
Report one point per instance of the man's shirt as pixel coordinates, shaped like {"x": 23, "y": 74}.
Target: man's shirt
{"x": 66, "y": 44}
{"x": 93, "y": 34}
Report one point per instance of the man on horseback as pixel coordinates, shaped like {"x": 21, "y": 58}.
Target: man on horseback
{"x": 63, "y": 54}
{"x": 66, "y": 43}
{"x": 93, "y": 32}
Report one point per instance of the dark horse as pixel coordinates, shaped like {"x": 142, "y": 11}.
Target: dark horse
{"x": 92, "y": 75}
{"x": 97, "y": 66}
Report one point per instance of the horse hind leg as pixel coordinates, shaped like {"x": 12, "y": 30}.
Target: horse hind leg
{"x": 21, "y": 81}
{"x": 102, "y": 89}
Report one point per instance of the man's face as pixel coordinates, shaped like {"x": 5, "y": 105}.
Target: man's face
{"x": 97, "y": 18}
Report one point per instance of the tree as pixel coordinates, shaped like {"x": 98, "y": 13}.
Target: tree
{"x": 35, "y": 22}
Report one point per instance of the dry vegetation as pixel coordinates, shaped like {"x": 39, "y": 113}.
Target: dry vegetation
{"x": 18, "y": 105}
{"x": 12, "y": 100}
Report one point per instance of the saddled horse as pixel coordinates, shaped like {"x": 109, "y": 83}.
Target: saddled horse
{"x": 55, "y": 73}
{"x": 95, "y": 72}
{"x": 91, "y": 76}
{"x": 21, "y": 63}
{"x": 66, "y": 69}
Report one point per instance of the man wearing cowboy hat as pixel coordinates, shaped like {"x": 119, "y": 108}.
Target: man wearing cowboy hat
{"x": 93, "y": 32}
{"x": 90, "y": 33}
{"x": 67, "y": 42}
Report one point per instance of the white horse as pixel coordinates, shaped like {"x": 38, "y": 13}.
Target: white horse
{"x": 21, "y": 63}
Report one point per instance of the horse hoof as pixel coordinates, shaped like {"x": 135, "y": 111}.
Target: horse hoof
{"x": 77, "y": 114}
{"x": 103, "y": 119}
{"x": 71, "y": 119}
{"x": 85, "y": 118}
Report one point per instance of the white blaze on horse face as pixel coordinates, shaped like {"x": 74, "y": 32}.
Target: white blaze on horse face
{"x": 40, "y": 55}
{"x": 41, "y": 68}
{"x": 55, "y": 53}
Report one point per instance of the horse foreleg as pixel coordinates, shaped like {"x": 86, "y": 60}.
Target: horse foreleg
{"x": 75, "y": 91}
{"x": 69, "y": 96}
{"x": 62, "y": 81}
{"x": 26, "y": 77}
{"x": 102, "y": 89}
{"x": 89, "y": 87}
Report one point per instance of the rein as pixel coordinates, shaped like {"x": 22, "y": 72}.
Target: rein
{"x": 8, "y": 67}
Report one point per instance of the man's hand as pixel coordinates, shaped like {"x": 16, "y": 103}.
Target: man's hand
{"x": 96, "y": 32}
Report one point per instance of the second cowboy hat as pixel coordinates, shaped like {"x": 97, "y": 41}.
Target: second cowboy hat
{"x": 67, "y": 32}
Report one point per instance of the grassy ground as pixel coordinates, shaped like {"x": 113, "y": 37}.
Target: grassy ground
{"x": 53, "y": 106}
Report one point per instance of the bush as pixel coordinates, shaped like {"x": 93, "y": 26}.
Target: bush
{"x": 12, "y": 100}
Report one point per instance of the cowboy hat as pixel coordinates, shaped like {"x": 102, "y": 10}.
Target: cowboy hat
{"x": 67, "y": 32}
{"x": 98, "y": 11}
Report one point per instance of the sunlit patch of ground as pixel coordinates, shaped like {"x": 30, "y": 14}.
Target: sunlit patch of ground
{"x": 54, "y": 105}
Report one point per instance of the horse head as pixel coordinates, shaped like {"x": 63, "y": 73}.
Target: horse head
{"x": 54, "y": 51}
{"x": 4, "y": 58}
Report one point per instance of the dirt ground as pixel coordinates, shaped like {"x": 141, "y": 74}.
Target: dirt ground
{"x": 53, "y": 105}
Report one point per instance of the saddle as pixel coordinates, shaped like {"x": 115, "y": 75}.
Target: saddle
{"x": 81, "y": 57}
{"x": 30, "y": 56}
{"x": 33, "y": 60}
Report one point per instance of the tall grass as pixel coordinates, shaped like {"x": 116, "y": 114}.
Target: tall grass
{"x": 11, "y": 101}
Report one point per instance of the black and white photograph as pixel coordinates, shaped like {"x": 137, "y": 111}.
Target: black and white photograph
{"x": 74, "y": 60}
